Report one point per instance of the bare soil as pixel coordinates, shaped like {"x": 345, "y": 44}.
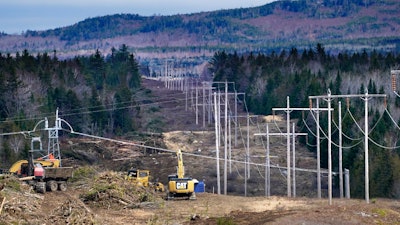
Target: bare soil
{"x": 99, "y": 194}
{"x": 71, "y": 208}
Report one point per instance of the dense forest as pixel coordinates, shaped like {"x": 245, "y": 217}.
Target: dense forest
{"x": 219, "y": 23}
{"x": 94, "y": 94}
{"x": 268, "y": 78}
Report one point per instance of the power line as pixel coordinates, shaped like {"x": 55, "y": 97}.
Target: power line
{"x": 48, "y": 115}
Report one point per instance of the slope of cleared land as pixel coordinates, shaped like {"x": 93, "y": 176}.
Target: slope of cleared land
{"x": 99, "y": 194}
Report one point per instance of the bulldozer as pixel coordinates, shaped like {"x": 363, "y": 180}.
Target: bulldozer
{"x": 180, "y": 186}
{"x": 142, "y": 177}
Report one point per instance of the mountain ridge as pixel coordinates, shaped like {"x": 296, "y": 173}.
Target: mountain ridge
{"x": 349, "y": 24}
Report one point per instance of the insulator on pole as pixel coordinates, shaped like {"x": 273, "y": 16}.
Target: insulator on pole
{"x": 348, "y": 103}
{"x": 385, "y": 102}
{"x": 394, "y": 82}
{"x": 310, "y": 103}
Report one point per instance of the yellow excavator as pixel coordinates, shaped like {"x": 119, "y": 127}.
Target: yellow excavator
{"x": 44, "y": 174}
{"x": 142, "y": 177}
{"x": 21, "y": 167}
{"x": 178, "y": 184}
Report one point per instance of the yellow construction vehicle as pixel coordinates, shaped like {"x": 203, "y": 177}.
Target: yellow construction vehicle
{"x": 142, "y": 177}
{"x": 21, "y": 167}
{"x": 178, "y": 184}
{"x": 45, "y": 174}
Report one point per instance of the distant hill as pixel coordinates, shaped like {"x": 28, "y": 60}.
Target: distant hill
{"x": 338, "y": 24}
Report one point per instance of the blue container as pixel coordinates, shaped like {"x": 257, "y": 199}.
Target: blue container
{"x": 199, "y": 187}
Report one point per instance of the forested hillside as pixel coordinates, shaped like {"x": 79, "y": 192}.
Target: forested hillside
{"x": 94, "y": 94}
{"x": 350, "y": 24}
{"x": 268, "y": 78}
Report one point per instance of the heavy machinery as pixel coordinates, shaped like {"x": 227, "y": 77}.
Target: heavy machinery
{"x": 178, "y": 184}
{"x": 142, "y": 177}
{"x": 20, "y": 168}
{"x": 50, "y": 178}
{"x": 43, "y": 174}
{"x": 43, "y": 170}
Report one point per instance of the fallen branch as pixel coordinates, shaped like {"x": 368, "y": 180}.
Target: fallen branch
{"x": 41, "y": 197}
{"x": 2, "y": 204}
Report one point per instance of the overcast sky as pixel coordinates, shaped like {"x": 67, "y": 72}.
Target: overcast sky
{"x": 17, "y": 16}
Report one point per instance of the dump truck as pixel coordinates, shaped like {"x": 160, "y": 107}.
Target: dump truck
{"x": 50, "y": 178}
{"x": 43, "y": 174}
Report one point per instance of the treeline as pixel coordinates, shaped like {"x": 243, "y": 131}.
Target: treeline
{"x": 95, "y": 94}
{"x": 318, "y": 9}
{"x": 222, "y": 25}
{"x": 266, "y": 80}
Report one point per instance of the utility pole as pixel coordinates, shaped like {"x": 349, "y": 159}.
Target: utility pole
{"x": 248, "y": 147}
{"x": 204, "y": 105}
{"x": 288, "y": 145}
{"x": 197, "y": 103}
{"x": 318, "y": 152}
{"x": 328, "y": 98}
{"x": 226, "y": 139}
{"x": 340, "y": 151}
{"x": 267, "y": 168}
{"x": 294, "y": 160}
{"x": 268, "y": 134}
{"x": 235, "y": 119}
{"x": 217, "y": 142}
{"x": 288, "y": 110}
{"x": 207, "y": 101}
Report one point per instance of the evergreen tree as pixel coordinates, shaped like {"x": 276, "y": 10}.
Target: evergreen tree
{"x": 98, "y": 116}
{"x": 122, "y": 117}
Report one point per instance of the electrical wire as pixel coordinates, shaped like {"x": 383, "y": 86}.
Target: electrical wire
{"x": 391, "y": 118}
{"x": 335, "y": 144}
{"x": 72, "y": 112}
{"x": 347, "y": 136}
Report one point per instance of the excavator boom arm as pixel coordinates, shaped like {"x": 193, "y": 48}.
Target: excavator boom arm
{"x": 181, "y": 168}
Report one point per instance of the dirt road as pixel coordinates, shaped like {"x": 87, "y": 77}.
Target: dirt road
{"x": 214, "y": 209}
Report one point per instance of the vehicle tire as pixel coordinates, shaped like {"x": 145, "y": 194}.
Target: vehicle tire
{"x": 51, "y": 185}
{"x": 40, "y": 187}
{"x": 62, "y": 186}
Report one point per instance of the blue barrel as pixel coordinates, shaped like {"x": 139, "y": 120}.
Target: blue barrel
{"x": 199, "y": 187}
